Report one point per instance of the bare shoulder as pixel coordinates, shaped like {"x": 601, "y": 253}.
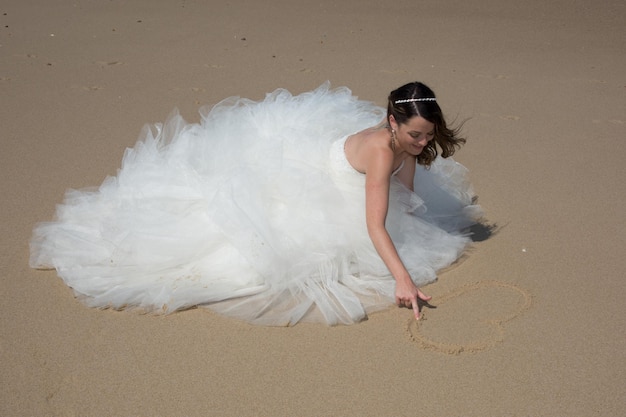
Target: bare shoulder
{"x": 368, "y": 145}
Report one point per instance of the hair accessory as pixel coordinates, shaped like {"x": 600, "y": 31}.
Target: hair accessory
{"x": 412, "y": 100}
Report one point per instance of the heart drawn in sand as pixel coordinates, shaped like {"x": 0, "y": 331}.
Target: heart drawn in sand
{"x": 470, "y": 318}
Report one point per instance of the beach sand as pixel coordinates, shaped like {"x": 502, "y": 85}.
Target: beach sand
{"x": 530, "y": 323}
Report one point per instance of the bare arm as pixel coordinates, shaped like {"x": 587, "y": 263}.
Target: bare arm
{"x": 377, "y": 179}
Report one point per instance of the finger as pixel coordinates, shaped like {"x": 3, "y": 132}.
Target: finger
{"x": 416, "y": 308}
{"x": 423, "y": 296}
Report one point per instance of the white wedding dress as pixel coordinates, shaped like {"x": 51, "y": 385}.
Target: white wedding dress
{"x": 254, "y": 212}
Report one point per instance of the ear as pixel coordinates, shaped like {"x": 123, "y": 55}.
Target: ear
{"x": 392, "y": 122}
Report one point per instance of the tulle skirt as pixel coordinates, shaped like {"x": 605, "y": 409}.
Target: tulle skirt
{"x": 255, "y": 213}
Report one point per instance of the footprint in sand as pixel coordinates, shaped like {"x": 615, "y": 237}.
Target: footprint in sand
{"x": 492, "y": 76}
{"x": 611, "y": 121}
{"x": 509, "y": 117}
{"x": 393, "y": 71}
{"x": 475, "y": 316}
{"x": 104, "y": 64}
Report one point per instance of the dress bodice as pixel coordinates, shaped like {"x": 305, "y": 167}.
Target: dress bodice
{"x": 338, "y": 160}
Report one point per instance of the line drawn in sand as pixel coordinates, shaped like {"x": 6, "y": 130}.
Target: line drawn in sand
{"x": 479, "y": 325}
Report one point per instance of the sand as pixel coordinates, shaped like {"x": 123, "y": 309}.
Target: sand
{"x": 530, "y": 323}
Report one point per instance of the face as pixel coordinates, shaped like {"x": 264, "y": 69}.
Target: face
{"x": 413, "y": 135}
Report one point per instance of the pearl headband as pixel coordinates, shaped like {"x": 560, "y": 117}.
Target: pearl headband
{"x": 412, "y": 100}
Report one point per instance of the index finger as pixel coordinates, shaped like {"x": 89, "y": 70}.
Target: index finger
{"x": 416, "y": 308}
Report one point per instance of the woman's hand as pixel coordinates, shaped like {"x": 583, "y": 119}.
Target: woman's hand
{"x": 407, "y": 295}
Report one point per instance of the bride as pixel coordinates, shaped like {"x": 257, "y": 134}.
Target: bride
{"x": 318, "y": 206}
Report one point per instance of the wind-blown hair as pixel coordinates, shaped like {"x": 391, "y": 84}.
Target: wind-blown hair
{"x": 447, "y": 138}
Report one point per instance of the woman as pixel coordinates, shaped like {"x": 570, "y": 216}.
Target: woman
{"x": 273, "y": 211}
{"x": 378, "y": 153}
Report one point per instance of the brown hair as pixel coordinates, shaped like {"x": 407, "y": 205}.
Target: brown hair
{"x": 447, "y": 138}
